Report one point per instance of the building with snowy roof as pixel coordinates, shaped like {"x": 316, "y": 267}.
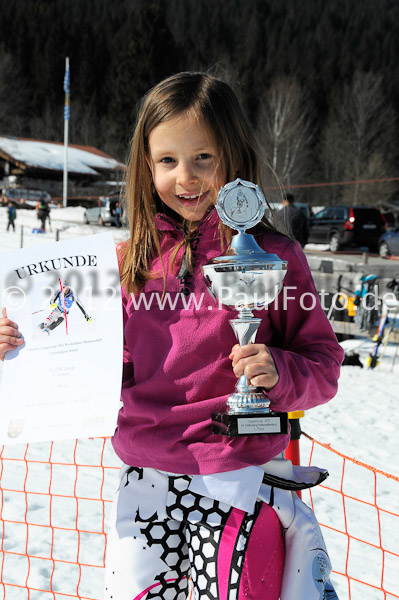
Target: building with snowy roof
{"x": 39, "y": 165}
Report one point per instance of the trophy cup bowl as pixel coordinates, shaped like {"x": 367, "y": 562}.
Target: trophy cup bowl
{"x": 247, "y": 278}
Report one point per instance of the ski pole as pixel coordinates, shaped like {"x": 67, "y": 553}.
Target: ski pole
{"x": 396, "y": 329}
{"x": 65, "y": 310}
{"x": 395, "y": 356}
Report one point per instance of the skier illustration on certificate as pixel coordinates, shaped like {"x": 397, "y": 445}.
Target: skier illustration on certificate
{"x": 61, "y": 303}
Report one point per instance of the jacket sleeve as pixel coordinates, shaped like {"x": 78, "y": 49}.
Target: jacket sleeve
{"x": 305, "y": 348}
{"x": 55, "y": 297}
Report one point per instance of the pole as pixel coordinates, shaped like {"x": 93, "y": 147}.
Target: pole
{"x": 293, "y": 452}
{"x": 66, "y": 127}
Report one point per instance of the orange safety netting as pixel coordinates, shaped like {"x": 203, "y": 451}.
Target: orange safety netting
{"x": 54, "y": 501}
{"x": 55, "y": 498}
{"x": 358, "y": 510}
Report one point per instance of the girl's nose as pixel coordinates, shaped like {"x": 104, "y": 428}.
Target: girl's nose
{"x": 186, "y": 173}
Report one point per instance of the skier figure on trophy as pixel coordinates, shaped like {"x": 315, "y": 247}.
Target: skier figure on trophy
{"x": 242, "y": 204}
{"x": 61, "y": 303}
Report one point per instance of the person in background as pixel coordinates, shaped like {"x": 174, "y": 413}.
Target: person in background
{"x": 294, "y": 220}
{"x": 43, "y": 212}
{"x": 12, "y": 215}
{"x": 118, "y": 215}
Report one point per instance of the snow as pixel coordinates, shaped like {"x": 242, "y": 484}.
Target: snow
{"x": 47, "y": 155}
{"x": 68, "y": 222}
{"x": 360, "y": 423}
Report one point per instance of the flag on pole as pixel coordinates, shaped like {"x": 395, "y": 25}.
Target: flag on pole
{"x": 66, "y": 127}
{"x": 66, "y": 90}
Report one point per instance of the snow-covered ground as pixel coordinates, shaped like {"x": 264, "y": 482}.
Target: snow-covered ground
{"x": 361, "y": 422}
{"x": 65, "y": 222}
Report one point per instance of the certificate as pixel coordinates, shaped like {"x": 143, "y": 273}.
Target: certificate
{"x": 64, "y": 382}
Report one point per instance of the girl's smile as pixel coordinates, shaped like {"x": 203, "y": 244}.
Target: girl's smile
{"x": 188, "y": 200}
{"x": 185, "y": 166}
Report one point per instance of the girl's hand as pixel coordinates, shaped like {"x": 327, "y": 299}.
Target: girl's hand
{"x": 256, "y": 363}
{"x": 10, "y": 337}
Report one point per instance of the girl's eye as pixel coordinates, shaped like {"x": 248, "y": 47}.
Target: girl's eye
{"x": 204, "y": 156}
{"x": 166, "y": 159}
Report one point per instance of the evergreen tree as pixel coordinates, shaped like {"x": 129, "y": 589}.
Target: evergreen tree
{"x": 146, "y": 53}
{"x": 14, "y": 97}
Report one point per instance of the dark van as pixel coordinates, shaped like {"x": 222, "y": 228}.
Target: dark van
{"x": 340, "y": 226}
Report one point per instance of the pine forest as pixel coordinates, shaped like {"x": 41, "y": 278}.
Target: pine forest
{"x": 319, "y": 79}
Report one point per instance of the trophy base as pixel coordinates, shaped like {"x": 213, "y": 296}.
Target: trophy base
{"x": 234, "y": 425}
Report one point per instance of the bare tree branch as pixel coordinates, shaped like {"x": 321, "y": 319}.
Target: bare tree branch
{"x": 286, "y": 128}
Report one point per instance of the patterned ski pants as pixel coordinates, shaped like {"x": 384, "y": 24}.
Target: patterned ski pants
{"x": 56, "y": 316}
{"x": 161, "y": 534}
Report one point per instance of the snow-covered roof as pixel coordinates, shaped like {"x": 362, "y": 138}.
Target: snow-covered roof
{"x": 50, "y": 155}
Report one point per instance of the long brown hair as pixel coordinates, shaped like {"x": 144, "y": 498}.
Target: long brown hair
{"x": 212, "y": 100}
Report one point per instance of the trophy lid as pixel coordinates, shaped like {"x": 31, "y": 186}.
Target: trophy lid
{"x": 240, "y": 204}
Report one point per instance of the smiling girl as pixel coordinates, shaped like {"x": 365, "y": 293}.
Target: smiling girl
{"x": 191, "y": 138}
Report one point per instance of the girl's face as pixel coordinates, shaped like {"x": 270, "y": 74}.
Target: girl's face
{"x": 184, "y": 164}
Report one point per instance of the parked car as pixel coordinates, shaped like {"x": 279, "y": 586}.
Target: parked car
{"x": 389, "y": 243}
{"x": 103, "y": 211}
{"x": 341, "y": 226}
{"x": 24, "y": 197}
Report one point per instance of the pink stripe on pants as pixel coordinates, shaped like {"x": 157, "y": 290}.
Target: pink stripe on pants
{"x": 264, "y": 559}
{"x": 263, "y": 565}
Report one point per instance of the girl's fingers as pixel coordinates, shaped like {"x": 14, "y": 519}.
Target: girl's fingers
{"x": 265, "y": 381}
{"x": 255, "y": 361}
{"x": 260, "y": 354}
{"x": 9, "y": 329}
{"x": 10, "y": 337}
{"x": 242, "y": 352}
{"x": 10, "y": 344}
{"x": 5, "y": 322}
{"x": 233, "y": 351}
{"x": 260, "y": 374}
{"x": 252, "y": 368}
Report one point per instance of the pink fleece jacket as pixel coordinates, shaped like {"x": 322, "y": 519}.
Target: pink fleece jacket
{"x": 176, "y": 366}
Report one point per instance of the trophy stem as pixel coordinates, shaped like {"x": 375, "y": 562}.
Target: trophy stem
{"x": 246, "y": 398}
{"x": 245, "y": 327}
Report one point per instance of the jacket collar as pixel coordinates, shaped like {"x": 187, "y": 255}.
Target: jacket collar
{"x": 165, "y": 223}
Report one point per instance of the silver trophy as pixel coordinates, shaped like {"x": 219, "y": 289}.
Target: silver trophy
{"x": 246, "y": 278}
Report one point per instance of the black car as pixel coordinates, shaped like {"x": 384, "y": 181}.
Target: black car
{"x": 341, "y": 226}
